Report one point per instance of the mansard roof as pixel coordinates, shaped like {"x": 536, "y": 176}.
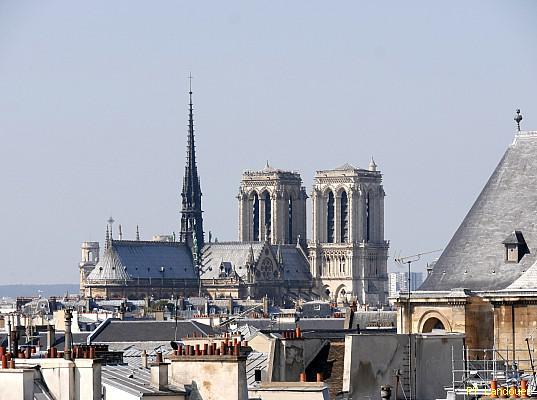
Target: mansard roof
{"x": 131, "y": 259}
{"x": 475, "y": 256}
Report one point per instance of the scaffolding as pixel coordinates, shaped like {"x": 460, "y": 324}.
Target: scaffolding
{"x": 473, "y": 374}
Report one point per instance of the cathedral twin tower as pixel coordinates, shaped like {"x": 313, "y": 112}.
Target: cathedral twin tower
{"x": 348, "y": 253}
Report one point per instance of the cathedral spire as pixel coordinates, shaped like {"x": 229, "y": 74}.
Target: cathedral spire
{"x": 191, "y": 219}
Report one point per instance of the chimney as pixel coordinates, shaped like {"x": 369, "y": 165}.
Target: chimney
{"x": 159, "y": 375}
{"x": 15, "y": 342}
{"x": 144, "y": 359}
{"x": 51, "y": 336}
{"x": 265, "y": 305}
{"x": 68, "y": 335}
{"x": 9, "y": 344}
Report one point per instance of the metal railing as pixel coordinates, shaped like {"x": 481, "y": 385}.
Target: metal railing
{"x": 473, "y": 373}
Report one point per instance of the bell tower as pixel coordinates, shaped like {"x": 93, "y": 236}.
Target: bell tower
{"x": 348, "y": 254}
{"x": 272, "y": 207}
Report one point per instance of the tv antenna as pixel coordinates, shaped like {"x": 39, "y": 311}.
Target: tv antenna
{"x": 401, "y": 261}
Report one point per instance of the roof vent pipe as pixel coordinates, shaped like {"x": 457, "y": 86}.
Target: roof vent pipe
{"x": 68, "y": 335}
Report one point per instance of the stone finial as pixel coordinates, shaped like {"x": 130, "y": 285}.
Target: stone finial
{"x": 372, "y": 165}
{"x": 111, "y": 222}
{"x": 137, "y": 233}
{"x": 518, "y": 118}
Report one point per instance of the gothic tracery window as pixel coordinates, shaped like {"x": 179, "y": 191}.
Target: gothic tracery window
{"x": 268, "y": 215}
{"x": 255, "y": 221}
{"x": 290, "y": 221}
{"x": 344, "y": 218}
{"x": 330, "y": 218}
{"x": 367, "y": 217}
{"x": 266, "y": 268}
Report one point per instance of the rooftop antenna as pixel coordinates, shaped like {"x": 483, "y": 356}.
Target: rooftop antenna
{"x": 409, "y": 260}
{"x": 518, "y": 118}
{"x": 111, "y": 222}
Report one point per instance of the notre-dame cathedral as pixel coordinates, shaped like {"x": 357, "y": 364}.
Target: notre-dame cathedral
{"x": 345, "y": 260}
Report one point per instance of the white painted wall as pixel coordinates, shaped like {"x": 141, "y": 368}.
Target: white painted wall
{"x": 16, "y": 384}
{"x": 211, "y": 377}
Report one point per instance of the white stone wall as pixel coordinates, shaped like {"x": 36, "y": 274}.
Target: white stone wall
{"x": 356, "y": 268}
{"x": 16, "y": 384}
{"x": 222, "y": 378}
{"x": 282, "y": 187}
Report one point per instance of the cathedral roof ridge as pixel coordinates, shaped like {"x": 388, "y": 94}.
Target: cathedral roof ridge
{"x": 266, "y": 171}
{"x": 351, "y": 169}
{"x": 146, "y": 242}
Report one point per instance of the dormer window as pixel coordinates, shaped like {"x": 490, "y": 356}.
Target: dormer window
{"x": 515, "y": 247}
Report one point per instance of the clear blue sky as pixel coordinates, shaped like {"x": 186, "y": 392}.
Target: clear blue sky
{"x": 93, "y": 100}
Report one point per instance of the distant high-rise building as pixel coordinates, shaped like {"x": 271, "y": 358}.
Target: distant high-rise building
{"x": 398, "y": 282}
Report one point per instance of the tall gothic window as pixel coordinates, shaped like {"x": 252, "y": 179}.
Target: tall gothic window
{"x": 290, "y": 221}
{"x": 268, "y": 214}
{"x": 344, "y": 217}
{"x": 255, "y": 213}
{"x": 367, "y": 217}
{"x": 330, "y": 218}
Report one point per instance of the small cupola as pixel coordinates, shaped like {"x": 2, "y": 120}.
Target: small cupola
{"x": 515, "y": 247}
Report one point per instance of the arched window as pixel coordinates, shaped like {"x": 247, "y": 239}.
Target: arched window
{"x": 290, "y": 221}
{"x": 268, "y": 214}
{"x": 344, "y": 219}
{"x": 330, "y": 218}
{"x": 255, "y": 213}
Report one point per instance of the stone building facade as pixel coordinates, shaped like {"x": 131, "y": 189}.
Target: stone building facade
{"x": 348, "y": 254}
{"x": 485, "y": 282}
{"x": 345, "y": 261}
{"x": 88, "y": 260}
{"x": 272, "y": 207}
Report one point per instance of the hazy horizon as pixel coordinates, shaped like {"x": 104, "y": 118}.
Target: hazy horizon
{"x": 95, "y": 101}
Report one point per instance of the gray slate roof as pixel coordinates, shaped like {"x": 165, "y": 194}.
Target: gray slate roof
{"x": 475, "y": 256}
{"x": 295, "y": 264}
{"x": 135, "y": 381}
{"x": 236, "y": 253}
{"x": 109, "y": 268}
{"x": 131, "y": 259}
{"x": 151, "y": 331}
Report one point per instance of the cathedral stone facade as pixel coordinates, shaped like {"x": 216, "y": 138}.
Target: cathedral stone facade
{"x": 348, "y": 253}
{"x": 345, "y": 261}
{"x": 272, "y": 207}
